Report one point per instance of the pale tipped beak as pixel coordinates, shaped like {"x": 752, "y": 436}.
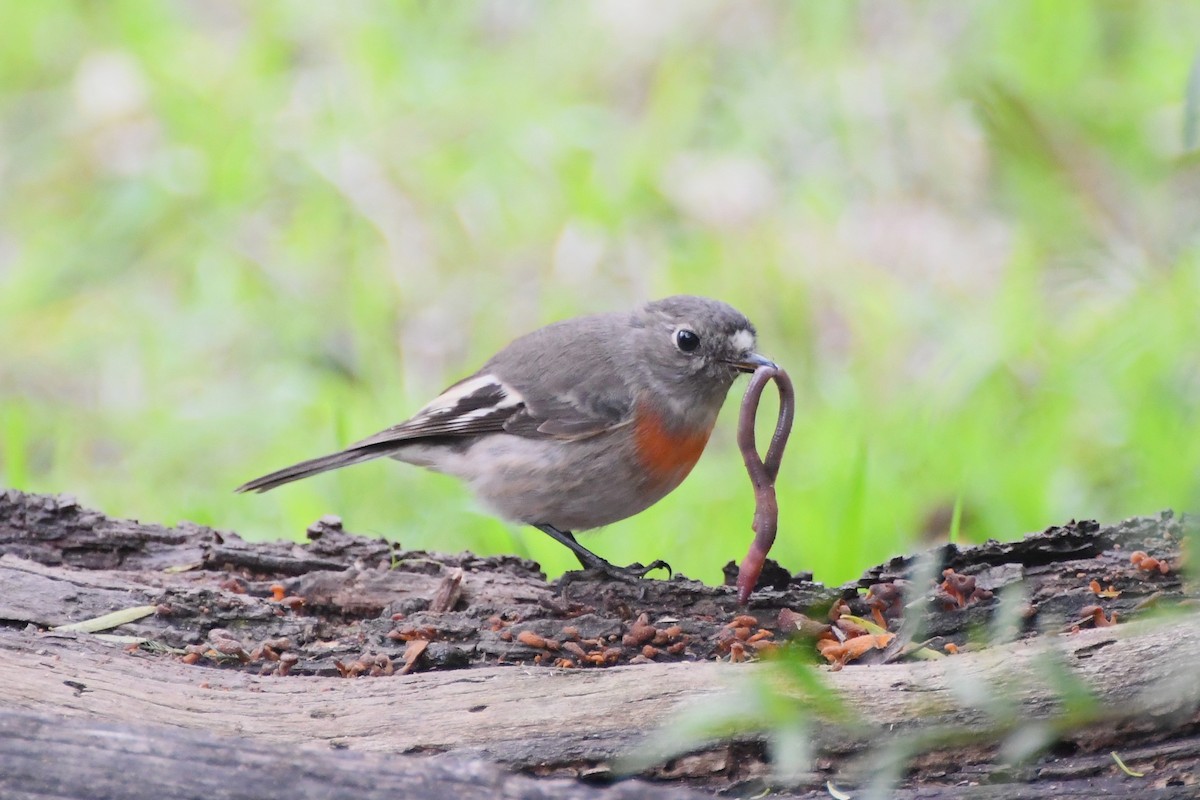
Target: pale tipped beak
{"x": 751, "y": 362}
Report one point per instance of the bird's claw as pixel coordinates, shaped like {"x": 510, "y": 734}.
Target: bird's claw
{"x": 657, "y": 563}
{"x": 632, "y": 572}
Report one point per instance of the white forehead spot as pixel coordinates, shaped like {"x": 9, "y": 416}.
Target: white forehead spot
{"x": 742, "y": 341}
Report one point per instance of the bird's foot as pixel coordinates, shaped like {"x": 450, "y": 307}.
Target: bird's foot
{"x": 593, "y": 563}
{"x": 633, "y": 572}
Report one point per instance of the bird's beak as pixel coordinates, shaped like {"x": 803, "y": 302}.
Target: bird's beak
{"x": 751, "y": 362}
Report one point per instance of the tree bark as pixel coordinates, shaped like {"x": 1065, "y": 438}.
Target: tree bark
{"x": 483, "y": 690}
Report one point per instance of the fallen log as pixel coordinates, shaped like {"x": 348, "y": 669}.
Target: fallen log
{"x": 484, "y": 686}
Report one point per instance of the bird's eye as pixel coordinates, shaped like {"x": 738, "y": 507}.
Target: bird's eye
{"x": 686, "y": 340}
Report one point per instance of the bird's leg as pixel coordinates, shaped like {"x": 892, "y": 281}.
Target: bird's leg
{"x": 591, "y": 561}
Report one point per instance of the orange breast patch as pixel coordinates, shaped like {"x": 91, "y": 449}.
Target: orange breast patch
{"x": 666, "y": 455}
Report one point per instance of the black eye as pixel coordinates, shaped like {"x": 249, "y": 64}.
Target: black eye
{"x": 686, "y": 340}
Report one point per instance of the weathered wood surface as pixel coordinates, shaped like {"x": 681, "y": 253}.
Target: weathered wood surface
{"x": 567, "y": 720}
{"x": 61, "y": 563}
{"x": 45, "y": 756}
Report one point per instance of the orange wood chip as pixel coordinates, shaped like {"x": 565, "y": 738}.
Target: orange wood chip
{"x": 412, "y": 652}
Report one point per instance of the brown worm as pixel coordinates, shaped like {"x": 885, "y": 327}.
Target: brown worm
{"x": 763, "y": 471}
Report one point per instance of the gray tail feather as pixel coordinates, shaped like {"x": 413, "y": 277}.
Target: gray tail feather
{"x": 314, "y": 466}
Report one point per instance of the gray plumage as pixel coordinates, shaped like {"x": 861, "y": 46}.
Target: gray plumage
{"x": 542, "y": 432}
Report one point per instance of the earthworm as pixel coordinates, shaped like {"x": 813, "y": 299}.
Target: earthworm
{"x": 763, "y": 472}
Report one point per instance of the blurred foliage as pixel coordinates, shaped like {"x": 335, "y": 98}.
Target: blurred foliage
{"x": 234, "y": 235}
{"x": 790, "y": 703}
{"x": 782, "y": 703}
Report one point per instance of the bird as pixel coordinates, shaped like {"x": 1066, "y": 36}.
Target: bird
{"x": 578, "y": 424}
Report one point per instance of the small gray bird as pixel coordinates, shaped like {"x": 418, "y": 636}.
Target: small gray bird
{"x": 578, "y": 424}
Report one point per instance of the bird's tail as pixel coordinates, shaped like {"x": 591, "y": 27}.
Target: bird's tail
{"x": 314, "y": 466}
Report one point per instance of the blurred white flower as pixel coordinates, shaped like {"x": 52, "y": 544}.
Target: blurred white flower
{"x": 109, "y": 86}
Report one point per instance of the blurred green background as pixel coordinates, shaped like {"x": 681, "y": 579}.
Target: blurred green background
{"x": 234, "y": 235}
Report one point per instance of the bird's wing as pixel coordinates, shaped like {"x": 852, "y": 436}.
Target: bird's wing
{"x": 485, "y": 403}
{"x": 475, "y": 405}
{"x": 574, "y": 378}
{"x": 565, "y": 381}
